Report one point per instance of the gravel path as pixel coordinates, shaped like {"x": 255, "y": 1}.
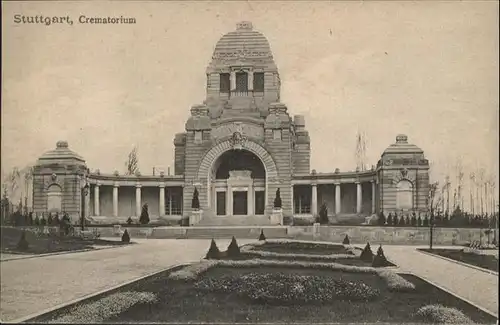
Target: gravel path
{"x": 32, "y": 285}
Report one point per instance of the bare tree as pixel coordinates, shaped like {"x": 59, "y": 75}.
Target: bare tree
{"x": 132, "y": 162}
{"x": 433, "y": 199}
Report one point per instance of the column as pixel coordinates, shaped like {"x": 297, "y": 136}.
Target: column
{"x": 250, "y": 80}
{"x": 314, "y": 199}
{"x": 87, "y": 204}
{"x": 229, "y": 201}
{"x": 162, "y": 200}
{"x": 232, "y": 80}
{"x": 250, "y": 203}
{"x": 115, "y": 200}
{"x": 373, "y": 197}
{"x": 337, "y": 199}
{"x": 359, "y": 197}
{"x": 96, "y": 199}
{"x": 293, "y": 203}
{"x": 138, "y": 200}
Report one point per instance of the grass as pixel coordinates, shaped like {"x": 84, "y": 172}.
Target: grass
{"x": 489, "y": 262}
{"x": 178, "y": 300}
{"x": 44, "y": 244}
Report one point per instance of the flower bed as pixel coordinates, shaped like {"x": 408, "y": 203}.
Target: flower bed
{"x": 224, "y": 294}
{"x": 489, "y": 262}
{"x": 299, "y": 247}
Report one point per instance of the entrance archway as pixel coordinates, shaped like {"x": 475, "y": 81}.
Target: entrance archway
{"x": 209, "y": 165}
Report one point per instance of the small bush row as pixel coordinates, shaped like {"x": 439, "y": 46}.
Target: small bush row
{"x": 333, "y": 257}
{"x": 105, "y": 308}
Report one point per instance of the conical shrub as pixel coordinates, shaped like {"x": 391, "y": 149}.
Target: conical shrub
{"x": 233, "y": 250}
{"x": 23, "y": 243}
{"x": 367, "y": 254}
{"x": 379, "y": 260}
{"x": 346, "y": 240}
{"x": 262, "y": 237}
{"x": 126, "y": 237}
{"x": 213, "y": 251}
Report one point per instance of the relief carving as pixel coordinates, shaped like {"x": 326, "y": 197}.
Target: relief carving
{"x": 245, "y": 130}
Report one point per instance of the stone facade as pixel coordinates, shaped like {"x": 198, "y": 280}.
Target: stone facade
{"x": 241, "y": 129}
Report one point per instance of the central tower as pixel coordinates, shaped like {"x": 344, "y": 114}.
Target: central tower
{"x": 241, "y": 144}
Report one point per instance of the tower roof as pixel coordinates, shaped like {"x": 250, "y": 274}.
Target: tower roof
{"x": 402, "y": 146}
{"x": 61, "y": 154}
{"x": 244, "y": 42}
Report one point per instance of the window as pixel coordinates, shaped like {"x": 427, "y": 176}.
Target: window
{"x": 277, "y": 134}
{"x": 54, "y": 198}
{"x": 258, "y": 82}
{"x": 225, "y": 83}
{"x": 241, "y": 82}
{"x": 173, "y": 204}
{"x": 404, "y": 197}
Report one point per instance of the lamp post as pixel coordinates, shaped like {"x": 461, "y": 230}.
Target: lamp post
{"x": 84, "y": 203}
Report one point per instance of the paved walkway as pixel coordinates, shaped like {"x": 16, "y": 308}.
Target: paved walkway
{"x": 32, "y": 285}
{"x": 478, "y": 287}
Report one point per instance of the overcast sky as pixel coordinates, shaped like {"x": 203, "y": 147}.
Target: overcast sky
{"x": 425, "y": 69}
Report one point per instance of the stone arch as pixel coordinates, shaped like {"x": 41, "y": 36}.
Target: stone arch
{"x": 216, "y": 151}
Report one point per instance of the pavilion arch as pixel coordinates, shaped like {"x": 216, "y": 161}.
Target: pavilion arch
{"x": 207, "y": 163}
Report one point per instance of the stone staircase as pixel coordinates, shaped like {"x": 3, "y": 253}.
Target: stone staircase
{"x": 210, "y": 219}
{"x": 246, "y": 232}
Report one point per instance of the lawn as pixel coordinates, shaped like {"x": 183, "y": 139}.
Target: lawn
{"x": 43, "y": 244}
{"x": 489, "y": 262}
{"x": 236, "y": 295}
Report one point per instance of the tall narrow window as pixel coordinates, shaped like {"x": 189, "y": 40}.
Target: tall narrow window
{"x": 241, "y": 82}
{"x": 258, "y": 82}
{"x": 225, "y": 83}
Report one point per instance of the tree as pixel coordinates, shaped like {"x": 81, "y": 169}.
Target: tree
{"x": 30, "y": 218}
{"x": 50, "y": 220}
{"x": 144, "y": 218}
{"x": 346, "y": 240}
{"x": 233, "y": 250}
{"x": 414, "y": 219}
{"x": 381, "y": 219}
{"x": 380, "y": 260}
{"x": 195, "y": 202}
{"x": 389, "y": 219}
{"x": 125, "y": 237}
{"x": 213, "y": 251}
{"x": 23, "y": 243}
{"x": 132, "y": 163}
{"x": 262, "y": 237}
{"x": 367, "y": 254}
{"x": 37, "y": 221}
{"x": 277, "y": 200}
{"x": 323, "y": 214}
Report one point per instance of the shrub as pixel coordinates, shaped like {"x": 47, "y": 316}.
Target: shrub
{"x": 346, "y": 240}
{"x": 389, "y": 219}
{"x": 195, "y": 202}
{"x": 50, "y": 220}
{"x": 441, "y": 314}
{"x": 380, "y": 260}
{"x": 381, "y": 219}
{"x": 262, "y": 237}
{"x": 233, "y": 249}
{"x": 126, "y": 237}
{"x": 129, "y": 221}
{"x": 277, "y": 200}
{"x": 144, "y": 219}
{"x": 323, "y": 214}
{"x": 23, "y": 243}
{"x": 367, "y": 254}
{"x": 213, "y": 251}
{"x": 30, "y": 217}
{"x": 43, "y": 222}
{"x": 395, "y": 282}
{"x": 426, "y": 222}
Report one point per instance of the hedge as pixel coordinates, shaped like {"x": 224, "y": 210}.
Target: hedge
{"x": 441, "y": 315}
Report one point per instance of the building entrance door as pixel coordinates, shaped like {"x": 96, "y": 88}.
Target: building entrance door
{"x": 240, "y": 203}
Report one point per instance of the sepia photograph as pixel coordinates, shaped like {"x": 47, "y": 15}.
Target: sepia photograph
{"x": 250, "y": 162}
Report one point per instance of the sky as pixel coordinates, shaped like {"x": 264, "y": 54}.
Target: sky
{"x": 425, "y": 69}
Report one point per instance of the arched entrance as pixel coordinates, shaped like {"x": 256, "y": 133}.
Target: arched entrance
{"x": 231, "y": 169}
{"x": 238, "y": 184}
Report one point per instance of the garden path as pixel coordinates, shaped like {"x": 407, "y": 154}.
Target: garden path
{"x": 478, "y": 287}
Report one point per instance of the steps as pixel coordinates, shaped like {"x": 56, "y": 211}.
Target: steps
{"x": 210, "y": 219}
{"x": 237, "y": 232}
